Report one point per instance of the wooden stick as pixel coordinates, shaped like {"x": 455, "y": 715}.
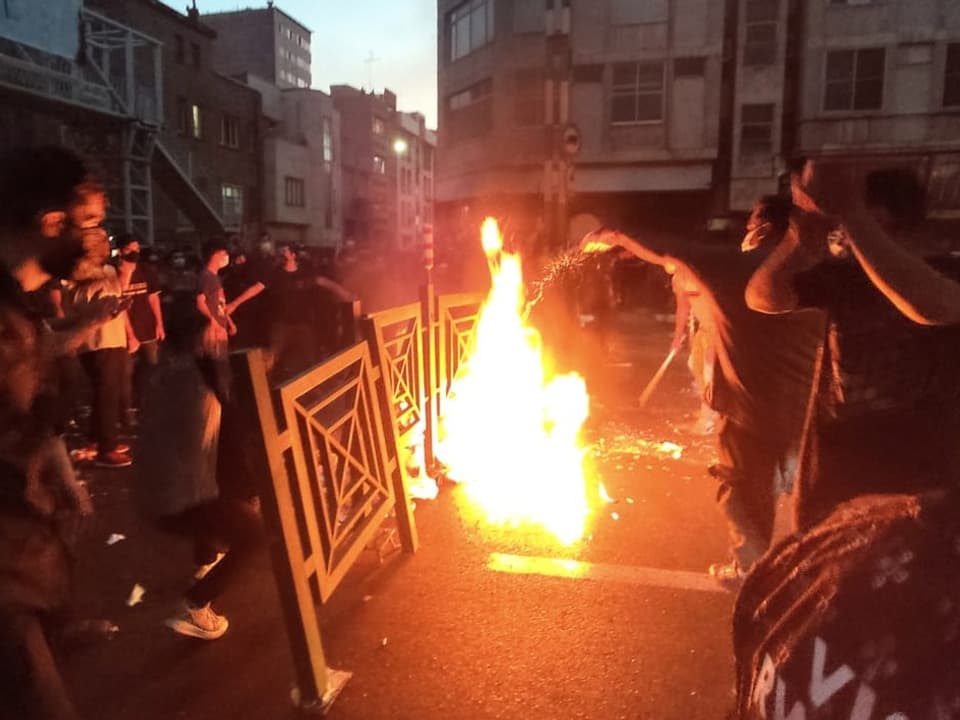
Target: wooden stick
{"x": 652, "y": 385}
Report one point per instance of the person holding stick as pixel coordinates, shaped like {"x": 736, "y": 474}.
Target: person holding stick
{"x": 759, "y": 383}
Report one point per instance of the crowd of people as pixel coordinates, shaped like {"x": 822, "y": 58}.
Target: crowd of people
{"x": 828, "y": 347}
{"x": 97, "y": 338}
{"x": 824, "y": 347}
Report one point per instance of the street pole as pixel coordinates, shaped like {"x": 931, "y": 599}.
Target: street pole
{"x": 557, "y": 119}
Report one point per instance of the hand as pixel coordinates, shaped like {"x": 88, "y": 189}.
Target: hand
{"x": 598, "y": 241}
{"x": 231, "y": 327}
{"x": 133, "y": 345}
{"x": 161, "y": 333}
{"x": 677, "y": 343}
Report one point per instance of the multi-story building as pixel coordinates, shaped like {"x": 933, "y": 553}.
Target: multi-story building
{"x": 414, "y": 146}
{"x": 603, "y": 106}
{"x": 633, "y": 111}
{"x": 69, "y": 75}
{"x": 368, "y": 162}
{"x": 879, "y": 82}
{"x": 265, "y": 42}
{"x": 206, "y": 161}
{"x": 301, "y": 164}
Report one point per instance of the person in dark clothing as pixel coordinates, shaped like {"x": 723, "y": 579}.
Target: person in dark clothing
{"x": 39, "y": 239}
{"x": 887, "y": 413}
{"x": 856, "y": 618}
{"x": 140, "y": 283}
{"x": 182, "y": 486}
{"x": 759, "y": 385}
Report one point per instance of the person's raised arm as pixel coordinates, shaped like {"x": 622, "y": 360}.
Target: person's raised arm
{"x": 249, "y": 294}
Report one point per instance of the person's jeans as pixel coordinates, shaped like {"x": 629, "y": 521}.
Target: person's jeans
{"x": 106, "y": 369}
{"x": 137, "y": 371}
{"x": 746, "y": 472}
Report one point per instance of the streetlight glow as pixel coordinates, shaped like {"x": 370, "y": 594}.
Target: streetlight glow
{"x": 400, "y": 146}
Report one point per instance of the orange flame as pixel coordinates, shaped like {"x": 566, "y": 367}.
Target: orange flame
{"x": 511, "y": 433}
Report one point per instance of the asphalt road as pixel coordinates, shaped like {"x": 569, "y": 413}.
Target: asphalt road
{"x": 480, "y": 623}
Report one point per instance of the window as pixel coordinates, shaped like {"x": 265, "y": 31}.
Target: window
{"x": 469, "y": 27}
{"x": 378, "y": 126}
{"x": 689, "y": 67}
{"x": 229, "y": 131}
{"x": 195, "y": 54}
{"x": 951, "y": 80}
{"x": 854, "y": 79}
{"x": 756, "y": 129}
{"x": 327, "y": 131}
{"x": 293, "y": 192}
{"x": 196, "y": 122}
{"x": 379, "y": 165}
{"x": 232, "y": 199}
{"x": 760, "y": 44}
{"x": 637, "y": 92}
{"x": 470, "y": 111}
{"x": 180, "y": 49}
{"x": 528, "y": 97}
{"x": 301, "y": 83}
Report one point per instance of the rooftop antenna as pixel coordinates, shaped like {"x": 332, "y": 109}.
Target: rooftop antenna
{"x": 369, "y": 62}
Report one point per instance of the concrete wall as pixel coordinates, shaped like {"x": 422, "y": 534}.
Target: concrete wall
{"x": 914, "y": 34}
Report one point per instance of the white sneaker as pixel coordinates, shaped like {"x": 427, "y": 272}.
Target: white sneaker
{"x": 199, "y": 622}
{"x": 203, "y": 570}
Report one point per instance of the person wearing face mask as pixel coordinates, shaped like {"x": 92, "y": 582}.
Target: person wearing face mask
{"x": 141, "y": 285}
{"x": 40, "y": 188}
{"x": 104, "y": 352}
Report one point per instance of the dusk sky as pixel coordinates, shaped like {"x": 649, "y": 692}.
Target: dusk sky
{"x": 402, "y": 34}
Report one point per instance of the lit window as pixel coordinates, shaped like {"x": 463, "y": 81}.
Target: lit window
{"x": 760, "y": 44}
{"x": 232, "y": 199}
{"x": 756, "y": 129}
{"x": 379, "y": 165}
{"x": 327, "y": 128}
{"x": 637, "y": 92}
{"x": 379, "y": 128}
{"x": 293, "y": 192}
{"x": 470, "y": 26}
{"x": 854, "y": 79}
{"x": 196, "y": 122}
{"x": 229, "y": 131}
{"x": 951, "y": 80}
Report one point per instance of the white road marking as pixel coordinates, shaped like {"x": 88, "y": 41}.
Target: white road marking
{"x": 575, "y": 569}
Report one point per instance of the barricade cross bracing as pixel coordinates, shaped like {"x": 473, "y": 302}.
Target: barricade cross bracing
{"x": 334, "y": 484}
{"x": 335, "y": 444}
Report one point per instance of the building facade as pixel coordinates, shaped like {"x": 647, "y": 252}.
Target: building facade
{"x": 545, "y": 105}
{"x": 414, "y": 147}
{"x": 634, "y": 112}
{"x": 206, "y": 161}
{"x": 302, "y": 178}
{"x": 368, "y": 163}
{"x": 265, "y": 42}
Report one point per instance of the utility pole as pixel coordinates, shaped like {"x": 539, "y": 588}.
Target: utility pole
{"x": 370, "y": 61}
{"x": 557, "y": 126}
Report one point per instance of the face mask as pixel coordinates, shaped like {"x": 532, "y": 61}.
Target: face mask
{"x": 131, "y": 257}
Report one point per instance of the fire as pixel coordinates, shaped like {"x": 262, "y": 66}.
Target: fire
{"x": 511, "y": 433}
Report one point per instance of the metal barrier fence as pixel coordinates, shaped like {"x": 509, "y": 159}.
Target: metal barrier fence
{"x": 335, "y": 444}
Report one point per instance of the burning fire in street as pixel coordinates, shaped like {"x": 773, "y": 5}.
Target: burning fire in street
{"x": 511, "y": 432}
